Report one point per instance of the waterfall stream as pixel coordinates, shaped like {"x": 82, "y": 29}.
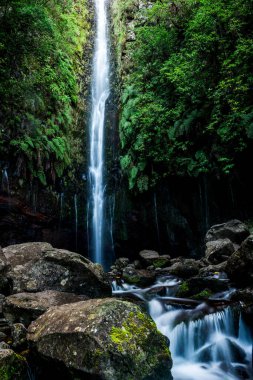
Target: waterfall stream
{"x": 204, "y": 346}
{"x": 100, "y": 93}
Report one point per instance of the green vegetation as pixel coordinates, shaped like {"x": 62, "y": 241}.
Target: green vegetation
{"x": 204, "y": 294}
{"x": 183, "y": 290}
{"x": 187, "y": 96}
{"x": 41, "y": 50}
{"x": 137, "y": 339}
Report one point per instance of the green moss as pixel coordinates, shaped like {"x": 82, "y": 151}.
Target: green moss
{"x": 135, "y": 280}
{"x": 206, "y": 293}
{"x": 137, "y": 339}
{"x": 183, "y": 289}
{"x": 160, "y": 263}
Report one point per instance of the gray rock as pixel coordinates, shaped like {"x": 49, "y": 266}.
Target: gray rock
{"x": 105, "y": 338}
{"x": 26, "y": 307}
{"x": 234, "y": 230}
{"x": 139, "y": 277}
{"x": 147, "y": 255}
{"x": 185, "y": 268}
{"x": 240, "y": 265}
{"x": 121, "y": 263}
{"x": 218, "y": 251}
{"x": 18, "y": 333}
{"x": 213, "y": 270}
{"x": 35, "y": 267}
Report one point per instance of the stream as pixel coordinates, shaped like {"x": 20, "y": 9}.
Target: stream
{"x": 206, "y": 343}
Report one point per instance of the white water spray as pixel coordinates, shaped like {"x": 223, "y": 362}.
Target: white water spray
{"x": 100, "y": 93}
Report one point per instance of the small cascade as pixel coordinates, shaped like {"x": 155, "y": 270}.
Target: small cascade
{"x": 5, "y": 182}
{"x": 205, "y": 343}
{"x": 76, "y": 219}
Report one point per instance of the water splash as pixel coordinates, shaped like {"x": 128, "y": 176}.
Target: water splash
{"x": 100, "y": 93}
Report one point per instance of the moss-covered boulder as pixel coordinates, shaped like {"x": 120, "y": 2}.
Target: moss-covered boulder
{"x": 104, "y": 339}
{"x": 12, "y": 366}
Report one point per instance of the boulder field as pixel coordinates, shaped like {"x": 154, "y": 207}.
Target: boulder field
{"x": 57, "y": 314}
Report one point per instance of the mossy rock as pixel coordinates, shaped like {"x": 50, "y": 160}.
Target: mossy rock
{"x": 107, "y": 338}
{"x": 12, "y": 366}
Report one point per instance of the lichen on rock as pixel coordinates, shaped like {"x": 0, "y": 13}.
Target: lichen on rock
{"x": 108, "y": 338}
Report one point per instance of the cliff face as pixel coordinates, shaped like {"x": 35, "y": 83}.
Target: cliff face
{"x": 169, "y": 214}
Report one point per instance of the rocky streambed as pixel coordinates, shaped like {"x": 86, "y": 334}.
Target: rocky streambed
{"x": 59, "y": 318}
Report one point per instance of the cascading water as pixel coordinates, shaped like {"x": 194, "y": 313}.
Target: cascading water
{"x": 214, "y": 346}
{"x": 100, "y": 93}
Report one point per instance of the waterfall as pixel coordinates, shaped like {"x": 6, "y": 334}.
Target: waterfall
{"x": 100, "y": 93}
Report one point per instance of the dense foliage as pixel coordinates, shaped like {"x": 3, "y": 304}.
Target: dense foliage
{"x": 41, "y": 49}
{"x": 187, "y": 99}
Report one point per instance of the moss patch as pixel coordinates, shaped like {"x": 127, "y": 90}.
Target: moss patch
{"x": 138, "y": 340}
{"x": 183, "y": 289}
{"x": 206, "y": 293}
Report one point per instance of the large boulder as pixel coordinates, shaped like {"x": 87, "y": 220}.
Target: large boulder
{"x": 35, "y": 267}
{"x": 240, "y": 265}
{"x": 102, "y": 338}
{"x": 12, "y": 366}
{"x": 26, "y": 307}
{"x": 234, "y": 230}
{"x": 217, "y": 251}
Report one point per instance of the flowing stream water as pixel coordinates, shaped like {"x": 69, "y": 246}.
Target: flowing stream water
{"x": 205, "y": 344}
{"x": 100, "y": 93}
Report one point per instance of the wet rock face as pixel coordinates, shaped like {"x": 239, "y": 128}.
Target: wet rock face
{"x": 104, "y": 338}
{"x": 35, "y": 267}
{"x": 240, "y": 265}
{"x": 233, "y": 230}
{"x": 26, "y": 307}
